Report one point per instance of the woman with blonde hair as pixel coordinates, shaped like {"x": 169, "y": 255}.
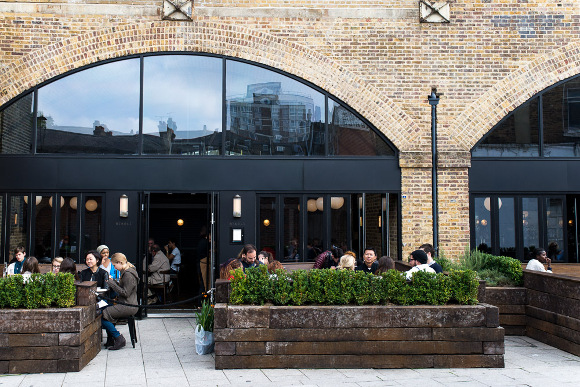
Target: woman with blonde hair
{"x": 347, "y": 262}
{"x": 126, "y": 290}
{"x": 56, "y": 262}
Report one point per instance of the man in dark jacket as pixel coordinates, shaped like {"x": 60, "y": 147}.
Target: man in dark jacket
{"x": 369, "y": 263}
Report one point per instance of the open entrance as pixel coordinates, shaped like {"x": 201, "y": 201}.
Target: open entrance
{"x": 180, "y": 224}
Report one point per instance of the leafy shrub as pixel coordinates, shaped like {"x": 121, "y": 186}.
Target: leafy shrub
{"x": 316, "y": 286}
{"x": 41, "y": 290}
{"x": 258, "y": 285}
{"x": 205, "y": 316}
{"x": 512, "y": 268}
{"x": 361, "y": 287}
{"x": 431, "y": 289}
{"x": 281, "y": 287}
{"x": 494, "y": 278}
{"x": 445, "y": 263}
{"x": 239, "y": 290}
{"x": 464, "y": 285}
{"x": 300, "y": 289}
{"x": 396, "y": 288}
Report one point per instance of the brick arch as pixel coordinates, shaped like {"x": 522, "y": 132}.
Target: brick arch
{"x": 216, "y": 38}
{"x": 513, "y": 91}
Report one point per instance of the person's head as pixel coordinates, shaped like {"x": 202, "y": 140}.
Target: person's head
{"x": 119, "y": 260}
{"x": 347, "y": 261}
{"x": 68, "y": 266}
{"x": 248, "y": 253}
{"x": 540, "y": 254}
{"x": 155, "y": 248}
{"x": 171, "y": 243}
{"x": 30, "y": 265}
{"x": 350, "y": 252}
{"x": 19, "y": 253}
{"x": 428, "y": 248}
{"x": 418, "y": 257}
{"x": 104, "y": 251}
{"x": 150, "y": 243}
{"x": 265, "y": 257}
{"x": 336, "y": 253}
{"x": 93, "y": 259}
{"x": 385, "y": 263}
{"x": 56, "y": 264}
{"x": 228, "y": 266}
{"x": 369, "y": 255}
{"x": 203, "y": 232}
{"x": 273, "y": 266}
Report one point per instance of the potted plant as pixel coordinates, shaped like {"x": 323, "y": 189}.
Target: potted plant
{"x": 204, "y": 340}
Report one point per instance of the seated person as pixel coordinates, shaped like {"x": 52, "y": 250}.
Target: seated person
{"x": 56, "y": 265}
{"x": 273, "y": 266}
{"x": 19, "y": 257}
{"x": 69, "y": 266}
{"x": 93, "y": 272}
{"x": 227, "y": 267}
{"x": 173, "y": 254}
{"x": 385, "y": 264}
{"x": 418, "y": 260}
{"x": 29, "y": 267}
{"x": 106, "y": 262}
{"x": 369, "y": 264}
{"x": 265, "y": 257}
{"x": 537, "y": 263}
{"x": 347, "y": 262}
{"x": 428, "y": 248}
{"x": 158, "y": 264}
{"x": 248, "y": 256}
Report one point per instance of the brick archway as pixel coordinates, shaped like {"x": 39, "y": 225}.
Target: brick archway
{"x": 216, "y": 38}
{"x": 513, "y": 91}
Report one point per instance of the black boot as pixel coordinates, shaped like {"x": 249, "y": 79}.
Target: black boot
{"x": 110, "y": 341}
{"x": 119, "y": 343}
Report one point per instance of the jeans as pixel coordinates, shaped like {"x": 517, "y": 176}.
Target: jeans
{"x": 110, "y": 328}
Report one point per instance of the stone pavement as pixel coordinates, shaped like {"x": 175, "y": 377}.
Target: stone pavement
{"x": 165, "y": 356}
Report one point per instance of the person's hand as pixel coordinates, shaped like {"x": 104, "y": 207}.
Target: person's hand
{"x": 548, "y": 261}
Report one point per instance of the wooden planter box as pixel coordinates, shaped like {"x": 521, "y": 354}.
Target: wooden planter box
{"x": 358, "y": 336}
{"x": 511, "y": 302}
{"x": 50, "y": 340}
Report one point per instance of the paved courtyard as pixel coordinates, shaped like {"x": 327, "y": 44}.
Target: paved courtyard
{"x": 165, "y": 356}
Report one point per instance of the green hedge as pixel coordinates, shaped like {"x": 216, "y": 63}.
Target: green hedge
{"x": 342, "y": 287}
{"x": 41, "y": 291}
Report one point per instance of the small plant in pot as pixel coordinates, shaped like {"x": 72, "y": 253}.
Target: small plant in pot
{"x": 204, "y": 340}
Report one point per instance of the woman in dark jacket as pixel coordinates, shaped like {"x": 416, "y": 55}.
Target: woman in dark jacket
{"x": 93, "y": 272}
{"x": 126, "y": 289}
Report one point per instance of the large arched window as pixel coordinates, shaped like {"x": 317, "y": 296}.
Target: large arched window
{"x": 548, "y": 125}
{"x": 185, "y": 105}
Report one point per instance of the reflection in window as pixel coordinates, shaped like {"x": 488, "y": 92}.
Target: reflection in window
{"x": 271, "y": 114}
{"x": 16, "y": 125}
{"x": 483, "y": 224}
{"x": 92, "y": 230}
{"x": 314, "y": 227}
{"x": 339, "y": 221}
{"x": 17, "y": 223}
{"x": 392, "y": 231}
{"x": 42, "y": 246}
{"x": 291, "y": 229}
{"x": 268, "y": 225}
{"x": 182, "y": 108}
{"x": 374, "y": 220}
{"x": 531, "y": 230}
{"x": 507, "y": 229}
{"x": 517, "y": 135}
{"x": 68, "y": 228}
{"x": 105, "y": 117}
{"x": 555, "y": 228}
{"x": 561, "y": 114}
{"x": 349, "y": 136}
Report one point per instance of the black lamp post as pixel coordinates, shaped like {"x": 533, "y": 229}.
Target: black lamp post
{"x": 434, "y": 101}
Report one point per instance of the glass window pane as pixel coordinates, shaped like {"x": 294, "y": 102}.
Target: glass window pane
{"x": 393, "y": 230}
{"x": 271, "y": 114}
{"x": 68, "y": 229}
{"x": 314, "y": 227}
{"x": 43, "y": 229}
{"x": 292, "y": 229}
{"x": 516, "y": 136}
{"x": 373, "y": 210}
{"x": 182, "y": 105}
{"x": 16, "y": 125}
{"x": 555, "y": 228}
{"x": 507, "y": 227}
{"x": 483, "y": 224}
{"x": 92, "y": 230}
{"x": 267, "y": 225}
{"x": 338, "y": 221}
{"x": 349, "y": 136}
{"x": 531, "y": 229}
{"x": 561, "y": 114}
{"x": 17, "y": 223}
{"x": 92, "y": 111}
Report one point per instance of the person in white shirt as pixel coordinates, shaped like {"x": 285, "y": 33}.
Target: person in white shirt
{"x": 418, "y": 260}
{"x": 173, "y": 254}
{"x": 537, "y": 263}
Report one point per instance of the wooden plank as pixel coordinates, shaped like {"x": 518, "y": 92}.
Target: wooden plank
{"x": 468, "y": 361}
{"x": 515, "y": 330}
{"x": 505, "y": 295}
{"x": 4, "y": 366}
{"x": 554, "y": 318}
{"x": 493, "y": 347}
{"x": 251, "y": 348}
{"x": 512, "y": 309}
{"x": 220, "y": 316}
{"x": 4, "y": 339}
{"x": 468, "y": 334}
{"x": 86, "y": 293}
{"x": 32, "y": 339}
{"x": 512, "y": 319}
{"x": 74, "y": 339}
{"x": 491, "y": 315}
{"x": 553, "y": 283}
{"x": 225, "y": 348}
{"x": 222, "y": 291}
{"x": 323, "y": 361}
{"x": 39, "y": 353}
{"x": 554, "y": 303}
{"x": 553, "y": 329}
{"x": 247, "y": 316}
{"x": 554, "y": 341}
{"x": 32, "y": 366}
{"x": 353, "y": 334}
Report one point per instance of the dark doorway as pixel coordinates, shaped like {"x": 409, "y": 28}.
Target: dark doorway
{"x": 183, "y": 217}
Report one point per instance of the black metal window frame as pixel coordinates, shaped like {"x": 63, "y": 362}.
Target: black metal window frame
{"x": 540, "y": 120}
{"x": 224, "y": 59}
{"x": 518, "y": 219}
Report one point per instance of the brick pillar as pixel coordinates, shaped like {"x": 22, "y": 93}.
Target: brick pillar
{"x": 417, "y": 209}
{"x": 453, "y": 202}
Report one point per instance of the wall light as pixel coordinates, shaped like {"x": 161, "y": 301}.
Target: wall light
{"x": 91, "y": 205}
{"x": 124, "y": 206}
{"x": 180, "y": 222}
{"x": 237, "y": 205}
{"x": 266, "y": 222}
